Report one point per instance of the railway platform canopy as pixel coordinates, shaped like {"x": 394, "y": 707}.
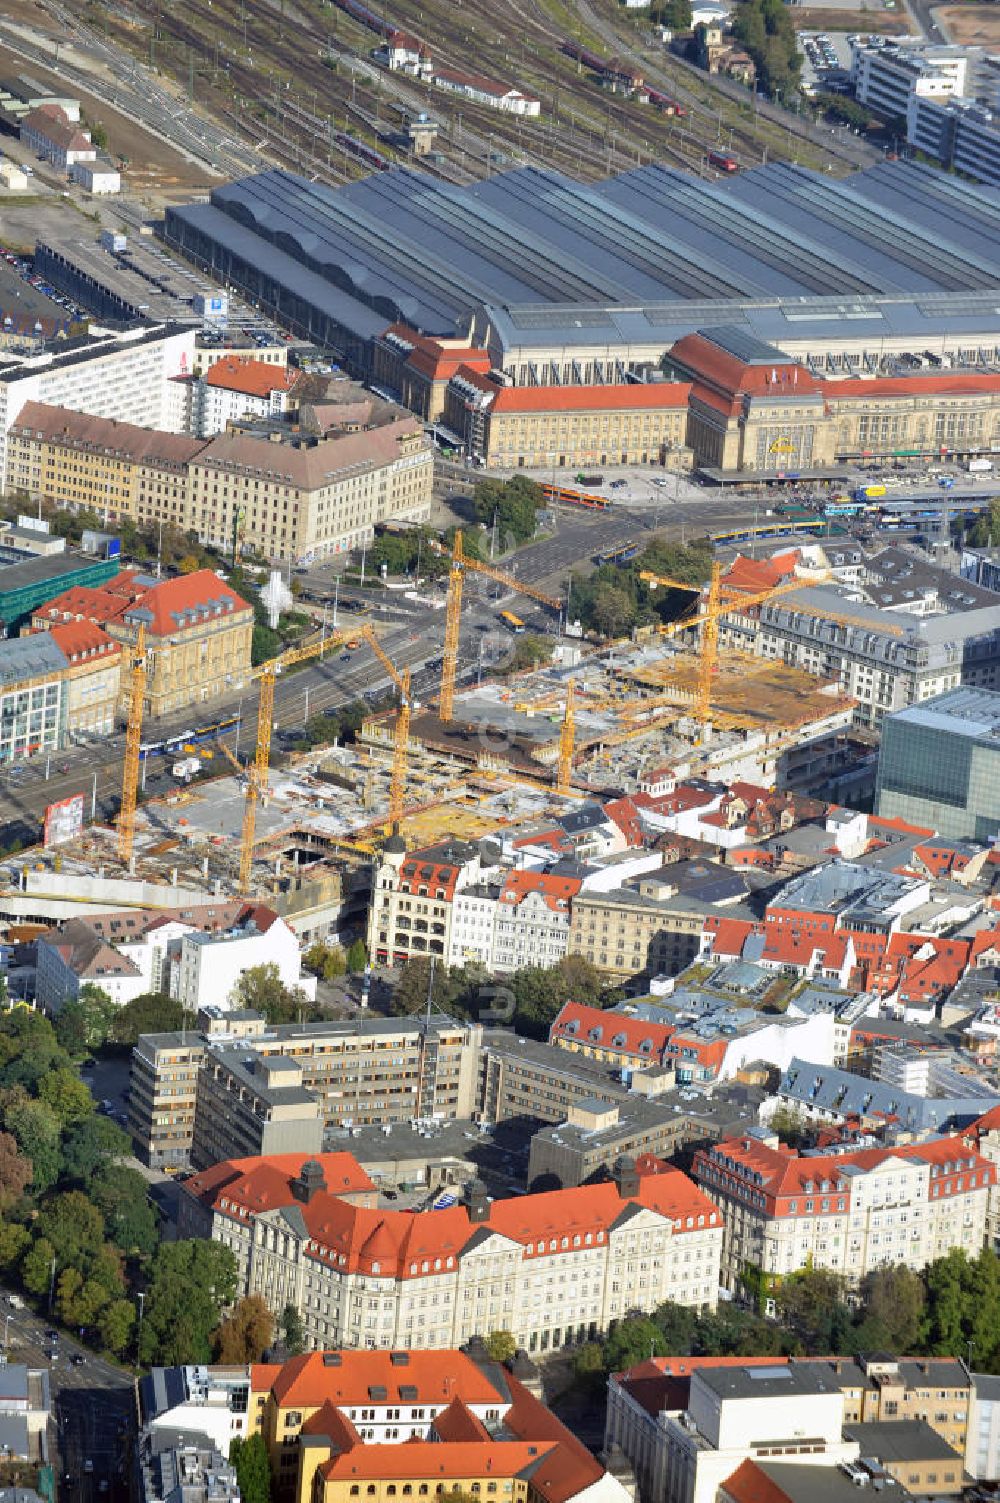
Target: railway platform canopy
{"x": 547, "y": 270}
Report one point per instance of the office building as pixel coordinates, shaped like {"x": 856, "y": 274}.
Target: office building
{"x": 887, "y": 75}
{"x": 237, "y": 1086}
{"x": 295, "y": 495}
{"x": 31, "y": 582}
{"x": 553, "y": 1268}
{"x": 848, "y": 1212}
{"x": 53, "y": 136}
{"x": 939, "y": 765}
{"x": 198, "y": 633}
{"x": 127, "y": 377}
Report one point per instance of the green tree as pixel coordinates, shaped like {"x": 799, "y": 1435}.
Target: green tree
{"x": 246, "y": 1333}
{"x": 985, "y": 530}
{"x": 14, "y": 1240}
{"x": 84, "y": 1025}
{"x": 588, "y": 1365}
{"x": 36, "y": 1127}
{"x": 540, "y": 991}
{"x": 896, "y": 1298}
{"x": 261, "y": 988}
{"x": 677, "y": 1326}
{"x": 152, "y": 1012}
{"x": 190, "y": 1284}
{"x": 66, "y": 1094}
{"x": 91, "y": 1144}
{"x": 36, "y": 1266}
{"x": 74, "y": 1226}
{"x": 514, "y": 503}
{"x": 122, "y": 1197}
{"x": 612, "y": 613}
{"x": 253, "y": 1471}
{"x": 357, "y": 957}
{"x": 812, "y": 1306}
{"x": 292, "y": 1332}
{"x": 790, "y": 1127}
{"x": 501, "y": 1345}
{"x": 529, "y": 651}
{"x": 325, "y": 961}
{"x": 631, "y": 1342}
{"x": 677, "y": 14}
{"x": 115, "y": 1325}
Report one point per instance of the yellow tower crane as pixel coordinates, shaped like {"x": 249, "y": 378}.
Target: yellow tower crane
{"x": 460, "y": 562}
{"x": 397, "y": 783}
{"x": 133, "y": 740}
{"x": 564, "y": 767}
{"x": 258, "y": 768}
{"x": 718, "y": 600}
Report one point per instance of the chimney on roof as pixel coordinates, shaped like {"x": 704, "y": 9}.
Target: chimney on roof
{"x": 477, "y": 1201}
{"x": 627, "y": 1178}
{"x": 310, "y": 1181}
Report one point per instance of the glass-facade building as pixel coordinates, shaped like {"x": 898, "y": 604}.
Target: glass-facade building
{"x": 939, "y": 765}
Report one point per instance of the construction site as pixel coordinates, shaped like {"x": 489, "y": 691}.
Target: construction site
{"x": 591, "y": 723}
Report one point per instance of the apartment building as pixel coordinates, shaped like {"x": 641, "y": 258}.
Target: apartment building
{"x": 533, "y": 919}
{"x": 235, "y": 1074}
{"x": 689, "y": 1425}
{"x": 297, "y": 496}
{"x": 127, "y": 377}
{"x": 848, "y": 1212}
{"x": 553, "y": 1269}
{"x": 412, "y": 911}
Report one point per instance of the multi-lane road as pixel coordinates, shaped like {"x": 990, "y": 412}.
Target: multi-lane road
{"x": 93, "y": 1407}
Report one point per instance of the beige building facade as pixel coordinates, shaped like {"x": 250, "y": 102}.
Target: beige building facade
{"x": 623, "y": 933}
{"x": 298, "y": 498}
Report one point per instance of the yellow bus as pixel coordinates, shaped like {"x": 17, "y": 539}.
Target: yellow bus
{"x": 514, "y": 622}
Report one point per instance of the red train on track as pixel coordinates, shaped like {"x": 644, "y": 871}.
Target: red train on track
{"x": 723, "y": 161}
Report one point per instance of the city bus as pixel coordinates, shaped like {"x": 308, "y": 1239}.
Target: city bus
{"x": 514, "y": 622}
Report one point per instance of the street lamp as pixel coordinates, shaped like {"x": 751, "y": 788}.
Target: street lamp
{"x": 138, "y": 1335}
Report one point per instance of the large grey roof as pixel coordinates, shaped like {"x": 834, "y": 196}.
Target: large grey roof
{"x": 968, "y": 712}
{"x": 641, "y": 248}
{"x": 30, "y": 657}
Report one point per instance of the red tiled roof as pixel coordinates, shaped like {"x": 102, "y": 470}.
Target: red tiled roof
{"x": 254, "y": 378}
{"x": 438, "y": 1377}
{"x": 617, "y": 1032}
{"x": 262, "y": 1183}
{"x": 784, "y": 1174}
{"x": 635, "y": 397}
{"x": 623, "y": 813}
{"x": 190, "y": 600}
{"x": 729, "y": 935}
{"x": 938, "y": 383}
{"x": 555, "y": 890}
{"x": 435, "y": 359}
{"x": 750, "y": 1484}
{"x": 83, "y": 641}
{"x": 408, "y": 1244}
{"x": 754, "y": 574}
